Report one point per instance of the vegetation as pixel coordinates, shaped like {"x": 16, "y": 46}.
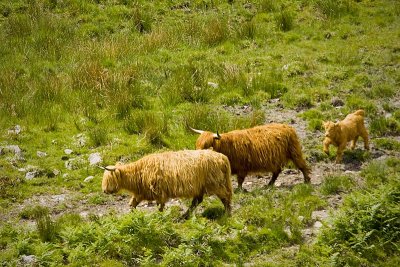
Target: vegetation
{"x": 125, "y": 78}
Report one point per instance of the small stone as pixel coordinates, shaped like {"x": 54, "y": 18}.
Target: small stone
{"x": 337, "y": 102}
{"x": 28, "y": 260}
{"x": 56, "y": 172}
{"x": 317, "y": 224}
{"x": 88, "y": 179}
{"x": 68, "y": 151}
{"x": 15, "y": 130}
{"x": 213, "y": 85}
{"x": 41, "y": 154}
{"x": 74, "y": 164}
{"x": 32, "y": 174}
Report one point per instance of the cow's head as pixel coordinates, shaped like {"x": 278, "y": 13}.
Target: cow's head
{"x": 206, "y": 139}
{"x": 111, "y": 177}
{"x": 331, "y": 129}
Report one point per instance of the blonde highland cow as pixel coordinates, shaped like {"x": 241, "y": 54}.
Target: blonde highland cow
{"x": 342, "y": 132}
{"x": 181, "y": 174}
{"x": 266, "y": 148}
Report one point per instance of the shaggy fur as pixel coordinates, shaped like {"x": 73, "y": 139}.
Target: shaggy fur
{"x": 264, "y": 148}
{"x": 181, "y": 174}
{"x": 342, "y": 132}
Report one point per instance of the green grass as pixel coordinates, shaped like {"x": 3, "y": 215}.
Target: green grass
{"x": 125, "y": 78}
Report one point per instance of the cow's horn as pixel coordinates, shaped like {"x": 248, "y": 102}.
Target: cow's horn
{"x": 196, "y": 131}
{"x": 217, "y": 136}
{"x": 108, "y": 168}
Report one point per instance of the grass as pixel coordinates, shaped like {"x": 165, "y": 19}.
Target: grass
{"x": 125, "y": 78}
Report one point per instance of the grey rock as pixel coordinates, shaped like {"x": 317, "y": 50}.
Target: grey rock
{"x": 213, "y": 85}
{"x": 80, "y": 140}
{"x": 74, "y": 164}
{"x": 56, "y": 172}
{"x": 15, "y": 130}
{"x": 88, "y": 179}
{"x": 68, "y": 151}
{"x": 317, "y": 224}
{"x": 41, "y": 154}
{"x": 95, "y": 158}
{"x": 28, "y": 260}
{"x": 32, "y": 174}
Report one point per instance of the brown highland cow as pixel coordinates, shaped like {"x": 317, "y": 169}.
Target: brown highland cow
{"x": 264, "y": 148}
{"x": 180, "y": 174}
{"x": 342, "y": 132}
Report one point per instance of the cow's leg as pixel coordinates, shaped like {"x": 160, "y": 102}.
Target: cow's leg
{"x": 274, "y": 176}
{"x": 326, "y": 144}
{"x": 339, "y": 153}
{"x": 226, "y": 200}
{"x": 162, "y": 205}
{"x": 364, "y": 135}
{"x": 240, "y": 180}
{"x": 195, "y": 202}
{"x": 133, "y": 202}
{"x": 353, "y": 143}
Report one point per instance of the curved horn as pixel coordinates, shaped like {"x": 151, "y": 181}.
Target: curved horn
{"x": 196, "y": 131}
{"x": 108, "y": 168}
{"x": 217, "y": 136}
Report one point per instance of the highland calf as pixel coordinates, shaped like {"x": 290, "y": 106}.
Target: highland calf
{"x": 265, "y": 148}
{"x": 342, "y": 132}
{"x": 181, "y": 174}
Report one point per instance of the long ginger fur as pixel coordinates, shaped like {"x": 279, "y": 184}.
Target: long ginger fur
{"x": 266, "y": 148}
{"x": 181, "y": 174}
{"x": 342, "y": 132}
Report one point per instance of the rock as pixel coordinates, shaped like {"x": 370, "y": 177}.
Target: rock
{"x": 28, "y": 260}
{"x": 88, "y": 179}
{"x": 68, "y": 151}
{"x": 80, "y": 140}
{"x": 16, "y": 150}
{"x": 56, "y": 172}
{"x": 15, "y": 130}
{"x": 41, "y": 154}
{"x": 74, "y": 164}
{"x": 65, "y": 175}
{"x": 32, "y": 174}
{"x": 95, "y": 158}
{"x": 317, "y": 224}
{"x": 58, "y": 198}
{"x": 213, "y": 85}
{"x": 320, "y": 215}
{"x": 337, "y": 102}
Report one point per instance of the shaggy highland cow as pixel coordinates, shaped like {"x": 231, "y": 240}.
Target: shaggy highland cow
{"x": 342, "y": 132}
{"x": 181, "y": 174}
{"x": 264, "y": 148}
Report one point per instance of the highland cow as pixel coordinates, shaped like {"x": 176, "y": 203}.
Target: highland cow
{"x": 342, "y": 132}
{"x": 181, "y": 174}
{"x": 265, "y": 148}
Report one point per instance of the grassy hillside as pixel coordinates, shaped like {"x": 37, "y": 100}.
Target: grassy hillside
{"x": 124, "y": 78}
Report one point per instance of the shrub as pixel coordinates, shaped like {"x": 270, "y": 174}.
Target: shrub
{"x": 387, "y": 143}
{"x": 382, "y": 126}
{"x": 152, "y": 124}
{"x": 215, "y": 31}
{"x": 284, "y": 20}
{"x": 335, "y": 9}
{"x": 98, "y": 136}
{"x": 247, "y": 29}
{"x": 334, "y": 184}
{"x": 366, "y": 229}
